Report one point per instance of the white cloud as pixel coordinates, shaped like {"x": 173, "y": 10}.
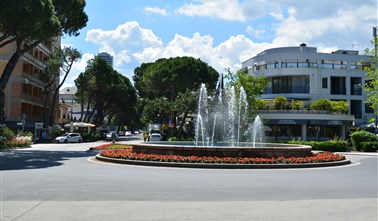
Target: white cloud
{"x": 338, "y": 31}
{"x": 222, "y": 9}
{"x": 156, "y": 10}
{"x": 123, "y": 41}
{"x": 131, "y": 44}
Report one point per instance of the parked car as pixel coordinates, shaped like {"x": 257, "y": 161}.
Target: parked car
{"x": 121, "y": 133}
{"x": 109, "y": 135}
{"x": 155, "y": 137}
{"x": 128, "y": 133}
{"x": 69, "y": 138}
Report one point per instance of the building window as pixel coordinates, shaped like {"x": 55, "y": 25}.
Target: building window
{"x": 290, "y": 84}
{"x": 355, "y": 86}
{"x": 281, "y": 85}
{"x": 356, "y": 108}
{"x": 338, "y": 85}
{"x": 324, "y": 83}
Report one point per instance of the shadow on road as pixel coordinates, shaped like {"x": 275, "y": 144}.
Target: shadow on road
{"x": 36, "y": 159}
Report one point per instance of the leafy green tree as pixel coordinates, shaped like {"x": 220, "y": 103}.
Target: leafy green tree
{"x": 110, "y": 93}
{"x": 253, "y": 86}
{"x": 27, "y": 23}
{"x": 167, "y": 86}
{"x": 61, "y": 63}
{"x": 371, "y": 80}
{"x": 167, "y": 77}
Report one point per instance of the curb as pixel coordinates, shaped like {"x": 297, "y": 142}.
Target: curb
{"x": 221, "y": 166}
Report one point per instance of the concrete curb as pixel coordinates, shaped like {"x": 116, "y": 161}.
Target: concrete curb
{"x": 220, "y": 166}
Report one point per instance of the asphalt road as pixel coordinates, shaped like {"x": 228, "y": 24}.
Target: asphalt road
{"x": 63, "y": 182}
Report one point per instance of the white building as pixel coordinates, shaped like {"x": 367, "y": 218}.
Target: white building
{"x": 301, "y": 73}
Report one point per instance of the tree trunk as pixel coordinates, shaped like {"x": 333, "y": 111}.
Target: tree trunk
{"x": 89, "y": 117}
{"x": 44, "y": 110}
{"x": 51, "y": 121}
{"x": 82, "y": 105}
{"x": 179, "y": 132}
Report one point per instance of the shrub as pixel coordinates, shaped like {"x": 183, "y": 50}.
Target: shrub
{"x": 25, "y": 134}
{"x": 172, "y": 139}
{"x": 340, "y": 107}
{"x": 369, "y": 146}
{"x": 322, "y": 104}
{"x": 92, "y": 136}
{"x": 2, "y": 142}
{"x": 280, "y": 102}
{"x": 330, "y": 145}
{"x": 7, "y": 133}
{"x": 55, "y": 132}
{"x": 296, "y": 105}
{"x": 361, "y": 136}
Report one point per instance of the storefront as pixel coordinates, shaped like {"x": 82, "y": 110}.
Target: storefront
{"x": 310, "y": 127}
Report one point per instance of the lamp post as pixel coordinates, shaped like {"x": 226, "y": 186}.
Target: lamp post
{"x": 375, "y": 53}
{"x": 68, "y": 90}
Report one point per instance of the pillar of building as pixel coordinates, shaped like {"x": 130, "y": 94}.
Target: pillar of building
{"x": 343, "y": 132}
{"x": 304, "y": 132}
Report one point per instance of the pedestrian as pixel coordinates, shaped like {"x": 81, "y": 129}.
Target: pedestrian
{"x": 145, "y": 136}
{"x": 113, "y": 137}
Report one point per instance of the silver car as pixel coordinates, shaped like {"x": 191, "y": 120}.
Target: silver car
{"x": 109, "y": 136}
{"x": 69, "y": 138}
{"x": 155, "y": 137}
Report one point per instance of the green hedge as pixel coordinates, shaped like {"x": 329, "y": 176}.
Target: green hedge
{"x": 362, "y": 136}
{"x": 371, "y": 146}
{"x": 330, "y": 145}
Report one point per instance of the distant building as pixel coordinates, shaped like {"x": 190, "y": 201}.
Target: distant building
{"x": 303, "y": 74}
{"x": 107, "y": 57}
{"x": 69, "y": 107}
{"x": 24, "y": 94}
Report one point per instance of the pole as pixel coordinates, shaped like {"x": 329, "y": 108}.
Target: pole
{"x": 375, "y": 53}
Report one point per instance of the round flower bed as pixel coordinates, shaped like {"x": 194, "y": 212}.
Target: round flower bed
{"x": 117, "y": 151}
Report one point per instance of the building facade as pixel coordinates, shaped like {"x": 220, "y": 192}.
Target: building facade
{"x": 24, "y": 94}
{"x": 303, "y": 74}
{"x": 107, "y": 57}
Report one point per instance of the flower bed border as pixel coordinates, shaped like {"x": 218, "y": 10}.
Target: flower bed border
{"x": 221, "y": 165}
{"x": 261, "y": 163}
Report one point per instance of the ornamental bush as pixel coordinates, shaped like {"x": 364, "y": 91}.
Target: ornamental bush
{"x": 361, "y": 136}
{"x": 369, "y": 146}
{"x": 7, "y": 133}
{"x": 330, "y": 145}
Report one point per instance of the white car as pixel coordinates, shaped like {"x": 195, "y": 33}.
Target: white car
{"x": 128, "y": 133}
{"x": 155, "y": 137}
{"x": 69, "y": 138}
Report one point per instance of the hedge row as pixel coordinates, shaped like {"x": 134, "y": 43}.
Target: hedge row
{"x": 330, "y": 145}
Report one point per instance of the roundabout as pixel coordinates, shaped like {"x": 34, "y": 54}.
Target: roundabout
{"x": 184, "y": 155}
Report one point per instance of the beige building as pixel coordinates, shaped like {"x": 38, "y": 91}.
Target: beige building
{"x": 24, "y": 94}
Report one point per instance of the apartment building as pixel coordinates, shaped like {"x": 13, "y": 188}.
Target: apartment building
{"x": 24, "y": 94}
{"x": 302, "y": 73}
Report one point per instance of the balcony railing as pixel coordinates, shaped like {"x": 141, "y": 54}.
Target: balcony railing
{"x": 297, "y": 112}
{"x": 294, "y": 90}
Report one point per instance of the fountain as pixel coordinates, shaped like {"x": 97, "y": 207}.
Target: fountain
{"x": 223, "y": 130}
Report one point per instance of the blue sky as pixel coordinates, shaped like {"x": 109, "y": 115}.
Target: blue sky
{"x": 222, "y": 33}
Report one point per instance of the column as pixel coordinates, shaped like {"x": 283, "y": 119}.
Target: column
{"x": 304, "y": 132}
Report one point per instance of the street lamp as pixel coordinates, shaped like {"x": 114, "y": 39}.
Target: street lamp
{"x": 375, "y": 53}
{"x": 68, "y": 90}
